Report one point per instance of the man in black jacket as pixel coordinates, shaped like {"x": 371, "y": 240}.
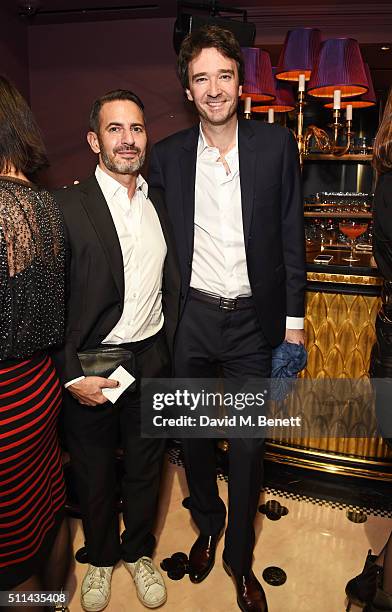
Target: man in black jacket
{"x": 233, "y": 193}
{"x": 123, "y": 291}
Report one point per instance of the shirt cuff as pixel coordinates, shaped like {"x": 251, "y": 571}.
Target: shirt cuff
{"x": 75, "y": 380}
{"x": 295, "y": 322}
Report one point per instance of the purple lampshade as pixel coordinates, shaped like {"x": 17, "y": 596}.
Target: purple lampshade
{"x": 284, "y": 101}
{"x": 299, "y": 53}
{"x": 339, "y": 66}
{"x": 259, "y": 82}
{"x": 366, "y": 100}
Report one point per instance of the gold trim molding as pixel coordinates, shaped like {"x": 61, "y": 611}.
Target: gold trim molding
{"x": 310, "y": 461}
{"x": 347, "y": 279}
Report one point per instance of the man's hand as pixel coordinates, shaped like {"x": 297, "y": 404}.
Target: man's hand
{"x": 89, "y": 390}
{"x": 296, "y": 336}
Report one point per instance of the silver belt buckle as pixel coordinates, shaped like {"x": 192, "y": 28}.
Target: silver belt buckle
{"x": 228, "y": 304}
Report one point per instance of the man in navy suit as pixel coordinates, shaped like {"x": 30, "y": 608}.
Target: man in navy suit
{"x": 233, "y": 192}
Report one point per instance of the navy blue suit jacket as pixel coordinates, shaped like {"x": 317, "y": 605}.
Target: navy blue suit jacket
{"x": 272, "y": 212}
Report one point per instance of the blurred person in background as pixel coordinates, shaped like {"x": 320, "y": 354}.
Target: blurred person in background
{"x": 373, "y": 587}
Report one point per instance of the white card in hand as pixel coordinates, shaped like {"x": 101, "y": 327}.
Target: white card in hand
{"x": 124, "y": 378}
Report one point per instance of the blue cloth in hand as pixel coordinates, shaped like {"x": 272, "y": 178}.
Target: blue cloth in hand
{"x": 288, "y": 359}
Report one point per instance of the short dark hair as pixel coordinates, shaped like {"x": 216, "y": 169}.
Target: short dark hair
{"x": 21, "y": 144}
{"x": 209, "y": 36}
{"x": 111, "y": 96}
{"x": 382, "y": 149}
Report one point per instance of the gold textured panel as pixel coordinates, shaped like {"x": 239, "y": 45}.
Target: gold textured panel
{"x": 339, "y": 308}
{"x": 340, "y": 334}
{"x": 341, "y": 327}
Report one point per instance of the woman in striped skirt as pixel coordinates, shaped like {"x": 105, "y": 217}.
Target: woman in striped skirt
{"x": 34, "y": 540}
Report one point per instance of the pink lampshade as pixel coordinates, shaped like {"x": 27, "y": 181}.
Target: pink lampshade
{"x": 259, "y": 82}
{"x": 284, "y": 101}
{"x": 366, "y": 100}
{"x": 339, "y": 66}
{"x": 299, "y": 53}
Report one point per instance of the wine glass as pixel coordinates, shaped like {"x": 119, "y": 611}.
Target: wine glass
{"x": 352, "y": 229}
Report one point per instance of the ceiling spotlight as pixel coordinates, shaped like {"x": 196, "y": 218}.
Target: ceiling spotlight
{"x": 28, "y": 8}
{"x": 385, "y": 48}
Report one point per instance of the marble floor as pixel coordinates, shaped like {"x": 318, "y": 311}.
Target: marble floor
{"x": 315, "y": 544}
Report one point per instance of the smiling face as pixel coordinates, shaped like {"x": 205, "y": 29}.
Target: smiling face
{"x": 214, "y": 86}
{"x": 121, "y": 140}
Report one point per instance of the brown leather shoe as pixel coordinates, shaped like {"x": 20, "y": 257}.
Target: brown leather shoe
{"x": 250, "y": 593}
{"x": 202, "y": 557}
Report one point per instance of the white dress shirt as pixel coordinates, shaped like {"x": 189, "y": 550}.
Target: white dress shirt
{"x": 143, "y": 250}
{"x": 219, "y": 257}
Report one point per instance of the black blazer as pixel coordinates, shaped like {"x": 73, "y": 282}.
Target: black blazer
{"x": 95, "y": 273}
{"x": 272, "y": 212}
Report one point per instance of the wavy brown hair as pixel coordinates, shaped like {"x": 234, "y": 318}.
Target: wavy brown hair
{"x": 21, "y": 144}
{"x": 382, "y": 151}
{"x": 209, "y": 36}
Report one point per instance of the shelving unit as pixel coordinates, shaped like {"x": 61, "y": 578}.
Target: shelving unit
{"x": 342, "y": 301}
{"x": 351, "y": 157}
{"x": 329, "y": 212}
{"x": 338, "y": 215}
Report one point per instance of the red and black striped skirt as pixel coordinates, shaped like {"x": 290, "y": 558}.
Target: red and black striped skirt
{"x": 32, "y": 491}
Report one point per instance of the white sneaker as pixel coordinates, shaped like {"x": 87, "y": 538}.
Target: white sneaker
{"x": 95, "y": 593}
{"x": 150, "y": 587}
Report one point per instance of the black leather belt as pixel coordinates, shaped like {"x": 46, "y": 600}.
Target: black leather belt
{"x": 239, "y": 303}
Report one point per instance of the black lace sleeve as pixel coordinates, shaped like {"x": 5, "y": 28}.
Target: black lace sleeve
{"x": 31, "y": 270}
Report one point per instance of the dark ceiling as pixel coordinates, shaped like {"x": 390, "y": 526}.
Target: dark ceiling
{"x": 369, "y": 22}
{"x": 63, "y": 11}
{"x": 45, "y": 11}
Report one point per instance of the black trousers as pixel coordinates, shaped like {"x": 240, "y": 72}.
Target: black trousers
{"x": 93, "y": 434}
{"x": 208, "y": 340}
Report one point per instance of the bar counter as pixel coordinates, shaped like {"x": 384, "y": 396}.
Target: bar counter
{"x": 342, "y": 302}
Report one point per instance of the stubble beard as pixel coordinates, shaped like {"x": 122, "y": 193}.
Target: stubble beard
{"x": 122, "y": 166}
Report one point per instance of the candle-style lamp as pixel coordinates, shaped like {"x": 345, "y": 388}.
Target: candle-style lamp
{"x": 284, "y": 101}
{"x": 300, "y": 117}
{"x": 337, "y": 96}
{"x": 339, "y": 73}
{"x": 258, "y": 82}
{"x": 339, "y": 66}
{"x": 349, "y": 122}
{"x": 247, "y": 107}
{"x": 300, "y": 50}
{"x": 366, "y": 100}
{"x": 296, "y": 62}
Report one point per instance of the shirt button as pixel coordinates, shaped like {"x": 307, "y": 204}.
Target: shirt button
{"x": 134, "y": 295}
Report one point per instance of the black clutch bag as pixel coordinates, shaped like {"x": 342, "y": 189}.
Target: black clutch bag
{"x": 103, "y": 361}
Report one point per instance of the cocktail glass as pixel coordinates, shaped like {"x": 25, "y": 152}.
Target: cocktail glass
{"x": 352, "y": 229}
